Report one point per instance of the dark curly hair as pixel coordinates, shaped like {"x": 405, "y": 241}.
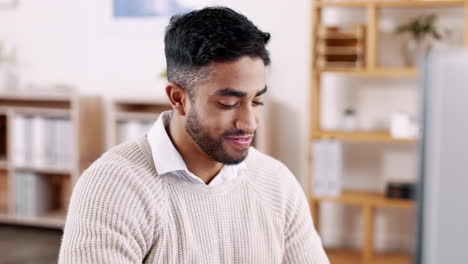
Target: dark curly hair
{"x": 214, "y": 34}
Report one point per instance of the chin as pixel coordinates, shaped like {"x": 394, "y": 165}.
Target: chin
{"x": 237, "y": 158}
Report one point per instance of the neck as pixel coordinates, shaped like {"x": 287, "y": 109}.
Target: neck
{"x": 196, "y": 160}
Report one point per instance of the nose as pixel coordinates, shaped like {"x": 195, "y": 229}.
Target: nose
{"x": 247, "y": 120}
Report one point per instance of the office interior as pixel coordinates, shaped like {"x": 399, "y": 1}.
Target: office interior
{"x": 345, "y": 110}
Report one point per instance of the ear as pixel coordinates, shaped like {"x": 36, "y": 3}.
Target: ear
{"x": 178, "y": 98}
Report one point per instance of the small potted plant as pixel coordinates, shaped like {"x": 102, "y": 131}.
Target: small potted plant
{"x": 163, "y": 74}
{"x": 423, "y": 32}
{"x": 349, "y": 120}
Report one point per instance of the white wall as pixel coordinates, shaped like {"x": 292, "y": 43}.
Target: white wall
{"x": 76, "y": 42}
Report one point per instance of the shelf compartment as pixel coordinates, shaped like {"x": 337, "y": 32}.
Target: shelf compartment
{"x": 394, "y": 3}
{"x": 57, "y": 194}
{"x": 384, "y": 137}
{"x": 341, "y": 46}
{"x": 368, "y": 198}
{"x": 62, "y": 187}
{"x": 133, "y": 117}
{"x": 347, "y": 256}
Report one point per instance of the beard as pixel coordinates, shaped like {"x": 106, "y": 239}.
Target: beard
{"x": 213, "y": 146}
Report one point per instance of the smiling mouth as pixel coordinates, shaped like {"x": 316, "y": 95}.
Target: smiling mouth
{"x": 240, "y": 142}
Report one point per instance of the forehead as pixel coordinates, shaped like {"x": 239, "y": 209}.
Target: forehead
{"x": 245, "y": 75}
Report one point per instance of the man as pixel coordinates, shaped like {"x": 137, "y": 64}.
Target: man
{"x": 193, "y": 190}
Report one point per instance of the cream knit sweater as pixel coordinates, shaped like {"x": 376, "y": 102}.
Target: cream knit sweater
{"x": 122, "y": 211}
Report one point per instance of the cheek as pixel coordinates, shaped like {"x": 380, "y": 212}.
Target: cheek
{"x": 259, "y": 114}
{"x": 217, "y": 121}
{"x": 221, "y": 124}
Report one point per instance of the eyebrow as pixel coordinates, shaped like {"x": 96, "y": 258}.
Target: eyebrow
{"x": 232, "y": 92}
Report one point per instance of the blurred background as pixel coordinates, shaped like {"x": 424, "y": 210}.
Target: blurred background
{"x": 345, "y": 111}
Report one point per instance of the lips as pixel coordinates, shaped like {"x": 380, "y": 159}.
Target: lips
{"x": 240, "y": 142}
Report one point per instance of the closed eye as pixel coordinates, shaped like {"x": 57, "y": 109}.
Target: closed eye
{"x": 226, "y": 106}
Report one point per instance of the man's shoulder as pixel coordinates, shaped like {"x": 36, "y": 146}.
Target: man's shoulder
{"x": 272, "y": 182}
{"x": 266, "y": 169}
{"x": 128, "y": 155}
{"x": 123, "y": 162}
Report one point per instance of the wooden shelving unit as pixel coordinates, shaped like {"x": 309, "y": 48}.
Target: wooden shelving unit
{"x": 367, "y": 201}
{"x": 85, "y": 115}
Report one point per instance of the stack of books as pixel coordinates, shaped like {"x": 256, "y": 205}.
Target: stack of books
{"x": 42, "y": 142}
{"x": 33, "y": 194}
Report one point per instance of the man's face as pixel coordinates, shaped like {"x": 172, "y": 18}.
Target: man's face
{"x": 226, "y": 109}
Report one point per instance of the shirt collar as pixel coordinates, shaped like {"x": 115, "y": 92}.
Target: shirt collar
{"x": 166, "y": 157}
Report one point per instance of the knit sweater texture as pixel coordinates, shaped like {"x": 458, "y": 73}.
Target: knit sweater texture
{"x": 122, "y": 211}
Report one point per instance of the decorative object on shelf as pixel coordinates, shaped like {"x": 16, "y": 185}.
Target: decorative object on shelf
{"x": 328, "y": 169}
{"x": 340, "y": 47}
{"x": 423, "y": 33}
{"x": 401, "y": 190}
{"x": 349, "y": 120}
{"x": 403, "y": 126}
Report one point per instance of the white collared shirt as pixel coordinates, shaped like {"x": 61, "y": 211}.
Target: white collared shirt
{"x": 168, "y": 160}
